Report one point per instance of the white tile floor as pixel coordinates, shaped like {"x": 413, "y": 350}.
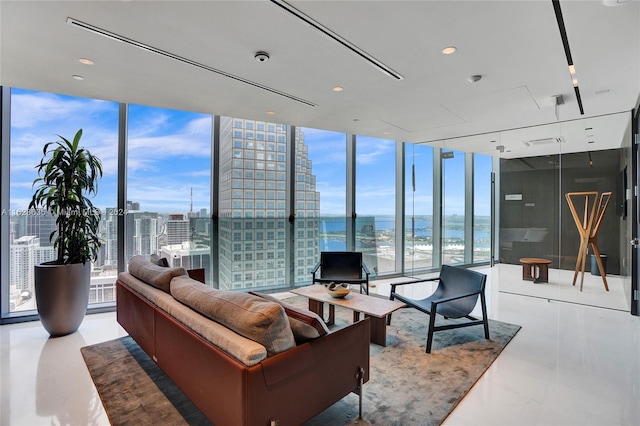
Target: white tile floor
{"x": 571, "y": 364}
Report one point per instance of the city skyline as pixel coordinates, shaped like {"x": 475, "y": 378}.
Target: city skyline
{"x": 169, "y": 154}
{"x": 168, "y": 187}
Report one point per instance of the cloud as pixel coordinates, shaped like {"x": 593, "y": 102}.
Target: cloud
{"x": 370, "y": 151}
{"x": 34, "y": 109}
{"x": 200, "y": 126}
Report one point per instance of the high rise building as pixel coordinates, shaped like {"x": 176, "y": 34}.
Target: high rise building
{"x": 41, "y": 225}
{"x": 253, "y": 222}
{"x": 178, "y": 228}
{"x": 109, "y": 247}
{"x": 141, "y": 237}
{"x": 188, "y": 255}
{"x": 143, "y": 233}
{"x": 26, "y": 252}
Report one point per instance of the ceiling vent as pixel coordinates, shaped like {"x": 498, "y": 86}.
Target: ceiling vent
{"x": 122, "y": 39}
{"x": 338, "y": 39}
{"x": 545, "y": 141}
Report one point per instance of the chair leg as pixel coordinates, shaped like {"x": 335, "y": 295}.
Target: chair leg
{"x": 485, "y": 320}
{"x": 432, "y": 323}
{"x": 391, "y": 297}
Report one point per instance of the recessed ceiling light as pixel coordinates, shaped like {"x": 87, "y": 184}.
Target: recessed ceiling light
{"x": 387, "y": 132}
{"x": 338, "y": 89}
{"x": 78, "y": 77}
{"x": 475, "y": 78}
{"x": 449, "y": 50}
{"x": 271, "y": 112}
{"x": 85, "y": 61}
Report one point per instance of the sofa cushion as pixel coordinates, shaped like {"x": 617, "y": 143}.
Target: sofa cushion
{"x": 244, "y": 350}
{"x": 152, "y": 274}
{"x": 250, "y": 316}
{"x": 306, "y": 325}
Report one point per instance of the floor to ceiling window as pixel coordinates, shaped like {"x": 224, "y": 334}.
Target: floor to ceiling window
{"x": 264, "y": 236}
{"x": 482, "y": 168}
{"x": 254, "y": 222}
{"x": 37, "y": 118}
{"x": 168, "y": 186}
{"x": 327, "y": 156}
{"x": 453, "y": 206}
{"x": 375, "y": 203}
{"x": 418, "y": 202}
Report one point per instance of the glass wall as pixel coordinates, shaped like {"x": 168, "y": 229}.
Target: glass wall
{"x": 168, "y": 187}
{"x": 375, "y": 227}
{"x": 418, "y": 202}
{"x": 37, "y": 118}
{"x": 281, "y": 194}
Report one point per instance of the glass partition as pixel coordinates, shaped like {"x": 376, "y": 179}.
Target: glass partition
{"x": 559, "y": 197}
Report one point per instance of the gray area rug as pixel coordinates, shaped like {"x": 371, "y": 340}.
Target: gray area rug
{"x": 406, "y": 386}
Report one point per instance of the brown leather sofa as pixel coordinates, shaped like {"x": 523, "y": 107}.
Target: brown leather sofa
{"x": 231, "y": 379}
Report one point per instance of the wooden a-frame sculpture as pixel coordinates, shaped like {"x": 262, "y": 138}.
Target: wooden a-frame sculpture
{"x": 588, "y": 227}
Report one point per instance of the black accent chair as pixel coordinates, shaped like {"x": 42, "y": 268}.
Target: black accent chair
{"x": 342, "y": 267}
{"x": 456, "y": 296}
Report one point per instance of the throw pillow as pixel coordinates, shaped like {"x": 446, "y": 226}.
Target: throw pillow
{"x": 250, "y": 316}
{"x": 152, "y": 274}
{"x": 306, "y": 325}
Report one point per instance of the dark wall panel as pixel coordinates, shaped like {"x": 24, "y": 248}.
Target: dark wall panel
{"x": 535, "y": 219}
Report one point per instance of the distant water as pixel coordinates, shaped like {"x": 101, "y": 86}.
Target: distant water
{"x": 453, "y": 229}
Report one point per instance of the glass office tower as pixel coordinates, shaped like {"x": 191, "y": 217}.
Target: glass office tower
{"x": 253, "y": 226}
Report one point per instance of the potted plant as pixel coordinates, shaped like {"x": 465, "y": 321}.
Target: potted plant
{"x": 67, "y": 174}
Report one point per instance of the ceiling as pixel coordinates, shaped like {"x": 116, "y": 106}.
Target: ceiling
{"x": 199, "y": 56}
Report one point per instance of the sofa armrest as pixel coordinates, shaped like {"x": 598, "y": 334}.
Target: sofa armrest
{"x": 289, "y": 363}
{"x": 197, "y": 274}
{"x": 324, "y": 370}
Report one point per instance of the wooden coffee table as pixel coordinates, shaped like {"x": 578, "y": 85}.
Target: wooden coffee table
{"x": 535, "y": 269}
{"x": 375, "y": 308}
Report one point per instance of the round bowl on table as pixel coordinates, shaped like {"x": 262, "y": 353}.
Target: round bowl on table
{"x": 338, "y": 290}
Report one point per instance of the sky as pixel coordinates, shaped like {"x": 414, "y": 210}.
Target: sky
{"x": 169, "y": 158}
